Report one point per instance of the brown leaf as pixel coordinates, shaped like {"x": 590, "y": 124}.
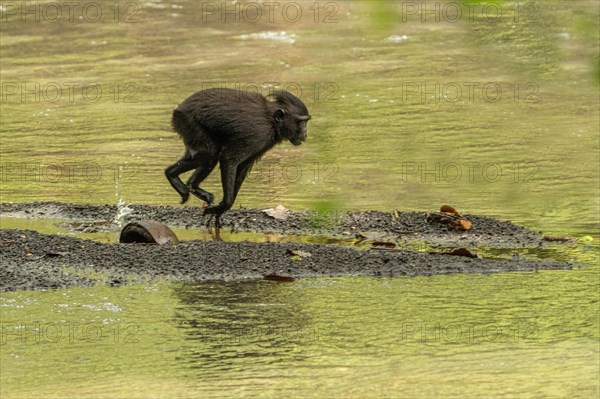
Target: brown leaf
{"x": 558, "y": 239}
{"x": 383, "y": 245}
{"x": 275, "y": 277}
{"x": 449, "y": 209}
{"x": 457, "y": 252}
{"x": 463, "y": 252}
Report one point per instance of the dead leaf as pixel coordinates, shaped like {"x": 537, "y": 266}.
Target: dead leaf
{"x": 449, "y": 209}
{"x": 383, "y": 245}
{"x": 463, "y": 252}
{"x": 275, "y": 277}
{"x": 457, "y": 252}
{"x": 280, "y": 212}
{"x": 464, "y": 224}
{"x": 451, "y": 219}
{"x": 558, "y": 239}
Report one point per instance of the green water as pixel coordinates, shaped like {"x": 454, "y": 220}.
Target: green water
{"x": 511, "y": 335}
{"x": 390, "y": 130}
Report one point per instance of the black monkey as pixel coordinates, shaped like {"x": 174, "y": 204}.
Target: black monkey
{"x": 234, "y": 128}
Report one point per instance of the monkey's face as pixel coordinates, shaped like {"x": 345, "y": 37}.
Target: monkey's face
{"x": 292, "y": 125}
{"x": 300, "y": 130}
{"x": 291, "y": 118}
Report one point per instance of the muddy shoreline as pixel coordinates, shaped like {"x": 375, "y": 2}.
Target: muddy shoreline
{"x": 31, "y": 260}
{"x": 408, "y": 226}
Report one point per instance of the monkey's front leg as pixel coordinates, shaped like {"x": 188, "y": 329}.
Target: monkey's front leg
{"x": 228, "y": 174}
{"x": 217, "y": 211}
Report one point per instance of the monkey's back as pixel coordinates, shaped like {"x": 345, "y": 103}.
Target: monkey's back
{"x": 220, "y": 114}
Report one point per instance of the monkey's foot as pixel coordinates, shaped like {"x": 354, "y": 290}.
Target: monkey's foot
{"x": 218, "y": 209}
{"x": 184, "y": 197}
{"x": 203, "y": 195}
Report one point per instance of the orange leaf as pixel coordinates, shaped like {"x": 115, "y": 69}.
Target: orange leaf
{"x": 464, "y": 224}
{"x": 449, "y": 209}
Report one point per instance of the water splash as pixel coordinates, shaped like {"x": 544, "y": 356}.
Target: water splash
{"x": 122, "y": 211}
{"x": 122, "y": 208}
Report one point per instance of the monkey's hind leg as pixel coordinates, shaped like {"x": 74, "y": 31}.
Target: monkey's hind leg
{"x": 172, "y": 172}
{"x": 199, "y": 175}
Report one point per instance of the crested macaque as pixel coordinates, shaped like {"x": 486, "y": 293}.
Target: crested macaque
{"x": 233, "y": 128}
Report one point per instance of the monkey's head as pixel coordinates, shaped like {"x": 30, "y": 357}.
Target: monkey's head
{"x": 291, "y": 117}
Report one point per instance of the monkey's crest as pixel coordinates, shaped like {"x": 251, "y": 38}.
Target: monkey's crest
{"x": 286, "y": 99}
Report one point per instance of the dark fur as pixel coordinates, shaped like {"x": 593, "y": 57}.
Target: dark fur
{"x": 232, "y": 128}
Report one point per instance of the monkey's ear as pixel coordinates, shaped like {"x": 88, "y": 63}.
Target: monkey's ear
{"x": 279, "y": 115}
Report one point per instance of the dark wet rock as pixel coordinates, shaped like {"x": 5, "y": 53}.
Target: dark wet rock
{"x": 149, "y": 232}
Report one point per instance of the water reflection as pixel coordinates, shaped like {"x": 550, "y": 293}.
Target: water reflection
{"x": 467, "y": 329}
{"x": 227, "y": 322}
